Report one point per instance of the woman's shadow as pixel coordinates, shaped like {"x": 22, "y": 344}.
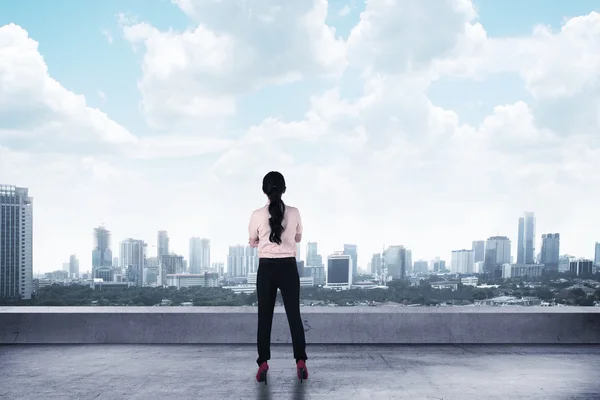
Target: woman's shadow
{"x": 263, "y": 392}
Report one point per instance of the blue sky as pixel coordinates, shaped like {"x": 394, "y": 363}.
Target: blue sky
{"x": 365, "y": 144}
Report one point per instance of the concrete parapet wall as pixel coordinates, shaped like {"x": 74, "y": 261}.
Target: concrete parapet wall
{"x": 323, "y": 325}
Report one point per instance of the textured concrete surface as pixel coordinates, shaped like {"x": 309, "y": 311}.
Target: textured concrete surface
{"x": 150, "y": 372}
{"x": 323, "y": 325}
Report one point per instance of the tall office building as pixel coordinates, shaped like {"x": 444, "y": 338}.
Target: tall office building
{"x": 132, "y": 257}
{"x": 376, "y": 264}
{"x": 526, "y": 243}
{"x": 597, "y": 254}
{"x": 235, "y": 261}
{"x": 478, "y": 248}
{"x": 170, "y": 264}
{"x": 199, "y": 255}
{"x": 313, "y": 258}
{"x": 251, "y": 260}
{"x": 550, "y": 255}
{"x": 439, "y": 265}
{"x": 421, "y": 267}
{"x": 339, "y": 270}
{"x": 16, "y": 243}
{"x": 102, "y": 254}
{"x": 582, "y": 268}
{"x": 350, "y": 250}
{"x": 162, "y": 247}
{"x": 395, "y": 260}
{"x": 73, "y": 267}
{"x": 497, "y": 253}
{"x": 462, "y": 261}
{"x": 408, "y": 263}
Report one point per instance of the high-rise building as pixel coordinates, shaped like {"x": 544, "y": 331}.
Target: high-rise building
{"x": 376, "y": 264}
{"x": 462, "y": 261}
{"x": 339, "y": 270}
{"x": 300, "y": 267}
{"x": 497, "y": 253}
{"x": 408, "y": 263}
{"x": 162, "y": 247}
{"x": 550, "y": 254}
{"x": 170, "y": 264}
{"x": 421, "y": 267}
{"x": 73, "y": 267}
{"x": 236, "y": 261}
{"x": 395, "y": 262}
{"x": 350, "y": 249}
{"x": 478, "y": 248}
{"x": 102, "y": 254}
{"x": 582, "y": 267}
{"x": 250, "y": 260}
{"x": 439, "y": 265}
{"x": 199, "y": 255}
{"x": 16, "y": 243}
{"x": 313, "y": 258}
{"x": 132, "y": 257}
{"x": 597, "y": 254}
{"x": 526, "y": 243}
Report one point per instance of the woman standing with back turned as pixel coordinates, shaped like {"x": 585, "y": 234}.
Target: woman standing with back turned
{"x": 275, "y": 229}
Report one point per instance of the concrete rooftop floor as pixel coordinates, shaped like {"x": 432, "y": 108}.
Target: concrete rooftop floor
{"x": 449, "y": 372}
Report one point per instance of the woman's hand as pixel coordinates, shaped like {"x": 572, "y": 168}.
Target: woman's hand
{"x": 253, "y": 242}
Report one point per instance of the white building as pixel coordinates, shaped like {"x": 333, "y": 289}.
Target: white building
{"x": 251, "y": 260}
{"x": 16, "y": 242}
{"x": 470, "y": 281}
{"x": 189, "y": 280}
{"x": 462, "y": 261}
{"x": 339, "y": 271}
{"x": 199, "y": 255}
{"x": 235, "y": 261}
{"x": 132, "y": 257}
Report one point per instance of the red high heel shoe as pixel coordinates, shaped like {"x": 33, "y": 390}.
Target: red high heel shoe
{"x": 261, "y": 375}
{"x": 301, "y": 370}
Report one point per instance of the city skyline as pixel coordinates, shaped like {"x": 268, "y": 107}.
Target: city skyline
{"x": 427, "y": 124}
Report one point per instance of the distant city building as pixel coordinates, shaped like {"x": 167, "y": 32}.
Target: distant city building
{"x": 339, "y": 271}
{"x": 497, "y": 253}
{"x": 162, "y": 247}
{"x": 439, "y": 265}
{"x": 395, "y": 260}
{"x": 250, "y": 260}
{"x": 152, "y": 271}
{"x": 522, "y": 270}
{"x": 350, "y": 249}
{"x": 115, "y": 262}
{"x": 582, "y": 267}
{"x": 236, "y": 261}
{"x": 526, "y": 240}
{"x": 315, "y": 272}
{"x": 170, "y": 264}
{"x": 313, "y": 258}
{"x": 478, "y": 248}
{"x": 564, "y": 263}
{"x": 73, "y": 267}
{"x": 300, "y": 266}
{"x": 16, "y": 243}
{"x": 218, "y": 267}
{"x": 65, "y": 266}
{"x": 597, "y": 254}
{"x": 421, "y": 267}
{"x": 469, "y": 281}
{"x": 376, "y": 264}
{"x": 462, "y": 261}
{"x": 478, "y": 267}
{"x": 199, "y": 255}
{"x": 408, "y": 262}
{"x": 550, "y": 254}
{"x": 207, "y": 279}
{"x": 132, "y": 257}
{"x": 444, "y": 285}
{"x": 102, "y": 254}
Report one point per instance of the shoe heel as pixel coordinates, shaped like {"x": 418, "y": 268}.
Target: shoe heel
{"x": 263, "y": 376}
{"x": 301, "y": 374}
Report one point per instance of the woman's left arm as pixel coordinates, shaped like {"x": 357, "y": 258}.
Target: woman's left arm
{"x": 253, "y": 231}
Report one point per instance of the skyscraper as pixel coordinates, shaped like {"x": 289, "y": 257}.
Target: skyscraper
{"x": 478, "y": 250}
{"x": 133, "y": 259}
{"x": 339, "y": 270}
{"x": 497, "y": 253}
{"x": 251, "y": 260}
{"x": 73, "y": 267}
{"x": 313, "y": 258}
{"x": 526, "y": 243}
{"x": 597, "y": 254}
{"x": 395, "y": 261}
{"x": 408, "y": 262}
{"x": 462, "y": 261}
{"x": 199, "y": 255}
{"x": 235, "y": 261}
{"x": 376, "y": 264}
{"x": 162, "y": 248}
{"x": 16, "y": 243}
{"x": 101, "y": 255}
{"x": 350, "y": 249}
{"x": 582, "y": 267}
{"x": 550, "y": 254}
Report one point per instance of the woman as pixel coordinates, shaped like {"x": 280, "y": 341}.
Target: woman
{"x": 275, "y": 229}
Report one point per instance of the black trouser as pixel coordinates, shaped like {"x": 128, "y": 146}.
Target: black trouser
{"x": 279, "y": 273}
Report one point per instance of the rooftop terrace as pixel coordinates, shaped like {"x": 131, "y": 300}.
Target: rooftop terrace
{"x": 455, "y": 353}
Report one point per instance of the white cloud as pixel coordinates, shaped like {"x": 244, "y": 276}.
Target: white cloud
{"x": 345, "y": 10}
{"x": 384, "y": 165}
{"x": 101, "y": 95}
{"x": 108, "y": 36}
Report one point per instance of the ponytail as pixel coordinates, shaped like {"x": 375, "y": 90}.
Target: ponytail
{"x": 276, "y": 210}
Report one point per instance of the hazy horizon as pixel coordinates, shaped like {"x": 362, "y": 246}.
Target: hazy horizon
{"x": 423, "y": 123}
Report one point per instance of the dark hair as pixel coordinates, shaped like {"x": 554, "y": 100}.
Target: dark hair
{"x": 274, "y": 186}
